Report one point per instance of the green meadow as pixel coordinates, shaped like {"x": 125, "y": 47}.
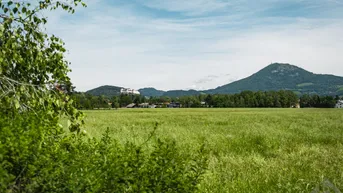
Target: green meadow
{"x": 250, "y": 150}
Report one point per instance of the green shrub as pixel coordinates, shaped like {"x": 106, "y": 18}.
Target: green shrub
{"x": 35, "y": 157}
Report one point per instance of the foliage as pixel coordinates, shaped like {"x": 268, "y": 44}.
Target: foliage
{"x": 33, "y": 69}
{"x": 316, "y": 101}
{"x": 36, "y": 157}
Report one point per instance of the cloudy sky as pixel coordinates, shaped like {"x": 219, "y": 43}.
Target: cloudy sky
{"x": 196, "y": 44}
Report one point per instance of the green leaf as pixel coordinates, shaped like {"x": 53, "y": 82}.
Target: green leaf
{"x": 15, "y": 10}
{"x": 16, "y": 104}
{"x": 57, "y": 103}
{"x": 35, "y": 19}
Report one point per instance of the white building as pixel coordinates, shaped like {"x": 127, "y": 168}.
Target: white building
{"x": 339, "y": 104}
{"x": 129, "y": 91}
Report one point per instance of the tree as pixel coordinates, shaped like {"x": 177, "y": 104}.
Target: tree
{"x": 115, "y": 102}
{"x": 32, "y": 62}
{"x": 125, "y": 100}
{"x": 33, "y": 87}
{"x": 137, "y": 99}
{"x": 337, "y": 98}
{"x": 208, "y": 100}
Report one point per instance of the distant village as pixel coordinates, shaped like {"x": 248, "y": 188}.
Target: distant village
{"x": 130, "y": 91}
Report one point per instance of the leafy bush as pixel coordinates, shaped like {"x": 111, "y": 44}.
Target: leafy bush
{"x": 35, "y": 157}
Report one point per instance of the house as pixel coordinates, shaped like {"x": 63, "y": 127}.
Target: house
{"x": 162, "y": 105}
{"x": 143, "y": 105}
{"x": 204, "y": 104}
{"x": 152, "y": 106}
{"x": 297, "y": 106}
{"x": 339, "y": 104}
{"x": 132, "y": 105}
{"x": 174, "y": 105}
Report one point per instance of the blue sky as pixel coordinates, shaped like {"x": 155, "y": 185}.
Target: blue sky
{"x": 196, "y": 44}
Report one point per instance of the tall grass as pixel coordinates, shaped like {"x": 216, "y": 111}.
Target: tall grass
{"x": 251, "y": 150}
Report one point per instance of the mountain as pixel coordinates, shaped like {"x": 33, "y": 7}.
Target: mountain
{"x": 151, "y": 92}
{"x": 106, "y": 90}
{"x": 179, "y": 93}
{"x": 276, "y": 76}
{"x": 279, "y": 76}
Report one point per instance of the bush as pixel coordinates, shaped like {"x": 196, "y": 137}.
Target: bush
{"x": 38, "y": 157}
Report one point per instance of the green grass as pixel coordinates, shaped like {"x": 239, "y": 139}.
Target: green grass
{"x": 251, "y": 150}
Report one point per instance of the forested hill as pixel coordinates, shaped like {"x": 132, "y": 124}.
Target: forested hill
{"x": 106, "y": 90}
{"x": 151, "y": 92}
{"x": 278, "y": 76}
{"x": 179, "y": 93}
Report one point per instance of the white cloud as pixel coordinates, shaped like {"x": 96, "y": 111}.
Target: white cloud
{"x": 120, "y": 46}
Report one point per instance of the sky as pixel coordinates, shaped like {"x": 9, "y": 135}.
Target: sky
{"x": 196, "y": 44}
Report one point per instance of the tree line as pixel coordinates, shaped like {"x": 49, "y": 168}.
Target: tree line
{"x": 245, "y": 99}
{"x": 315, "y": 101}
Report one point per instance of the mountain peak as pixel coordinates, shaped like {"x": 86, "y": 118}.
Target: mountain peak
{"x": 282, "y": 67}
{"x": 278, "y": 70}
{"x": 284, "y": 76}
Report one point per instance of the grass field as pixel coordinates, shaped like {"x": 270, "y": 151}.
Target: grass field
{"x": 251, "y": 150}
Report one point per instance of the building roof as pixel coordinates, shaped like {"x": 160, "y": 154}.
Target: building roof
{"x": 130, "y": 105}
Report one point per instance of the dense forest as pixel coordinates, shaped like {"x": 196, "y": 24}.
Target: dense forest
{"x": 245, "y": 99}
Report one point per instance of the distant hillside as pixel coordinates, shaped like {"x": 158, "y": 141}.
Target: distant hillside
{"x": 276, "y": 76}
{"x": 179, "y": 93}
{"x": 151, "y": 92}
{"x": 279, "y": 76}
{"x": 105, "y": 90}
